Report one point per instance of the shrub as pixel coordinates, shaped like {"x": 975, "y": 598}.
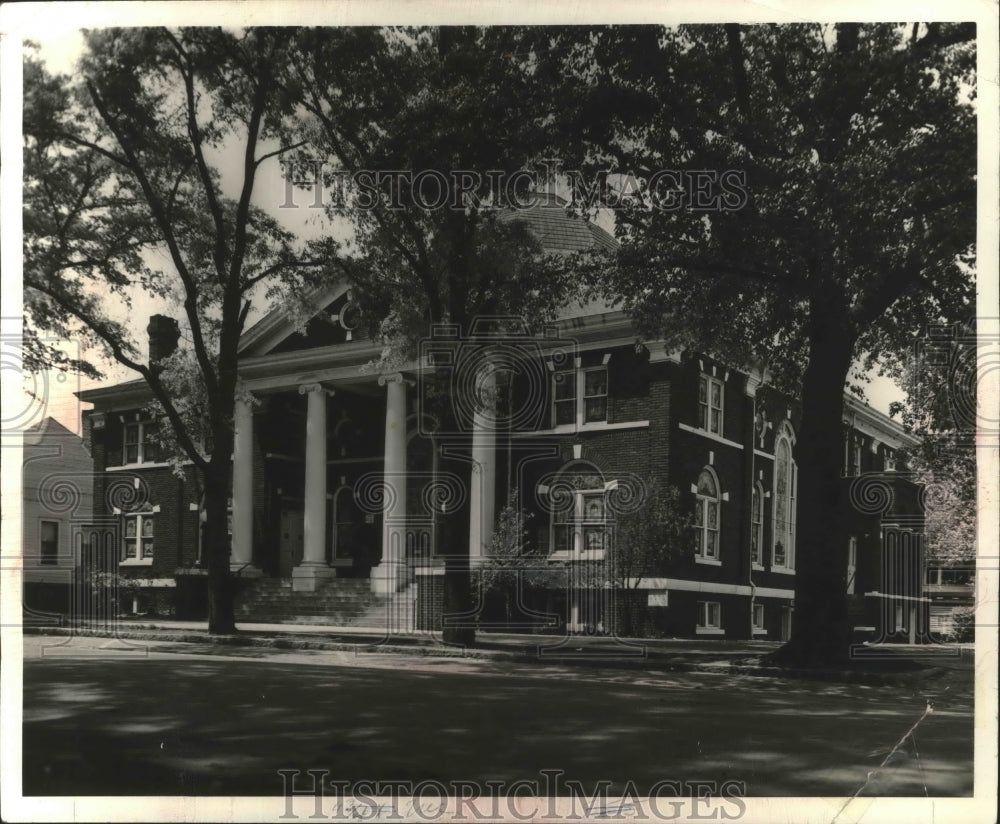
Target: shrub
{"x": 963, "y": 626}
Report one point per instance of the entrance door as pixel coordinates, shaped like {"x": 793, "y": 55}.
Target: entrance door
{"x": 292, "y": 540}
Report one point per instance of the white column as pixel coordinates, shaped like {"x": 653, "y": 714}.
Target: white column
{"x": 483, "y": 477}
{"x": 242, "y": 542}
{"x": 385, "y": 577}
{"x": 314, "y": 567}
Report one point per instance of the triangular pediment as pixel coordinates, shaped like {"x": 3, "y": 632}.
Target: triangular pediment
{"x": 332, "y": 321}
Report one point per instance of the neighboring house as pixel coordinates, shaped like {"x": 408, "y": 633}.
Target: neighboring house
{"x": 58, "y": 501}
{"x": 951, "y": 588}
{"x": 343, "y": 479}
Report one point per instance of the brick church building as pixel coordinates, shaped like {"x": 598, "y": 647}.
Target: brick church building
{"x": 349, "y": 486}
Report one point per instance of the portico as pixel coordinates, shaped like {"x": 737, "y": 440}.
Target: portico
{"x": 314, "y": 475}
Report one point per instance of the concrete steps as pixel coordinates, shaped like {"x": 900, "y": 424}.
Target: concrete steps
{"x": 340, "y": 602}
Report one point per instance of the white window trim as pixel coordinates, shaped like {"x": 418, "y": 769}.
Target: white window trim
{"x": 761, "y": 628}
{"x": 701, "y": 501}
{"x": 788, "y": 567}
{"x": 140, "y": 447}
{"x": 704, "y": 433}
{"x": 708, "y": 405}
{"x": 579, "y": 374}
{"x": 709, "y": 629}
{"x": 151, "y": 465}
{"x": 584, "y": 397}
{"x": 138, "y": 560}
{"x": 577, "y": 552}
{"x": 757, "y": 527}
{"x": 572, "y": 428}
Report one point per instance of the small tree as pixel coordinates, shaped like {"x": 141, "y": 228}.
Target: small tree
{"x": 647, "y": 541}
{"x": 509, "y": 554}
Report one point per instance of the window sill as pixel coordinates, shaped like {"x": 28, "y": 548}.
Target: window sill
{"x": 709, "y": 631}
{"x": 783, "y": 570}
{"x": 127, "y": 467}
{"x": 573, "y": 428}
{"x": 702, "y": 559}
{"x": 585, "y": 555}
{"x": 759, "y": 631}
{"x": 710, "y": 435}
{"x": 756, "y": 567}
{"x": 136, "y": 562}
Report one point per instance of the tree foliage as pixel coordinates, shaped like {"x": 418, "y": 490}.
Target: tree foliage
{"x": 510, "y": 554}
{"x": 855, "y": 145}
{"x": 407, "y": 102}
{"x": 650, "y": 539}
{"x": 402, "y": 103}
{"x": 942, "y": 409}
{"x": 124, "y": 198}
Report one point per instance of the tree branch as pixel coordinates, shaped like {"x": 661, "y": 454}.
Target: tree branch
{"x": 167, "y": 230}
{"x": 114, "y": 343}
{"x": 276, "y": 152}
{"x": 194, "y": 132}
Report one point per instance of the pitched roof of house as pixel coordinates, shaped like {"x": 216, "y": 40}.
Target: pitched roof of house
{"x": 47, "y": 428}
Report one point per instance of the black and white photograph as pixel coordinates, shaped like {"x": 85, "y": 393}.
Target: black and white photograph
{"x": 500, "y": 411}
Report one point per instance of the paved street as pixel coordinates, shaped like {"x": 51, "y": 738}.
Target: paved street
{"x": 180, "y": 719}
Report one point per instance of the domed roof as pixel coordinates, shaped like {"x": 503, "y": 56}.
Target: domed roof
{"x": 557, "y": 228}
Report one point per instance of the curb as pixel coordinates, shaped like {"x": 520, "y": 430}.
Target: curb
{"x": 290, "y": 641}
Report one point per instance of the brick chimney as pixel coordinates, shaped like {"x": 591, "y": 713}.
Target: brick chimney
{"x": 164, "y": 333}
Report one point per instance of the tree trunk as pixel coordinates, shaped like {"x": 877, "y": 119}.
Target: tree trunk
{"x": 221, "y": 620}
{"x": 820, "y": 634}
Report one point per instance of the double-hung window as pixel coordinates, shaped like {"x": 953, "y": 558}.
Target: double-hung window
{"x": 580, "y": 396}
{"x": 564, "y": 397}
{"x": 140, "y": 446}
{"x": 756, "y": 523}
{"x": 709, "y": 617}
{"x": 710, "y": 400}
{"x": 137, "y": 540}
{"x": 595, "y": 394}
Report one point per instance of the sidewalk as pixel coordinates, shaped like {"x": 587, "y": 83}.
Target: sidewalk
{"x": 887, "y": 662}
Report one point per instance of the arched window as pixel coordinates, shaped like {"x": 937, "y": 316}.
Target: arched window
{"x": 579, "y": 523}
{"x": 707, "y": 514}
{"x": 756, "y": 523}
{"x": 785, "y": 495}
